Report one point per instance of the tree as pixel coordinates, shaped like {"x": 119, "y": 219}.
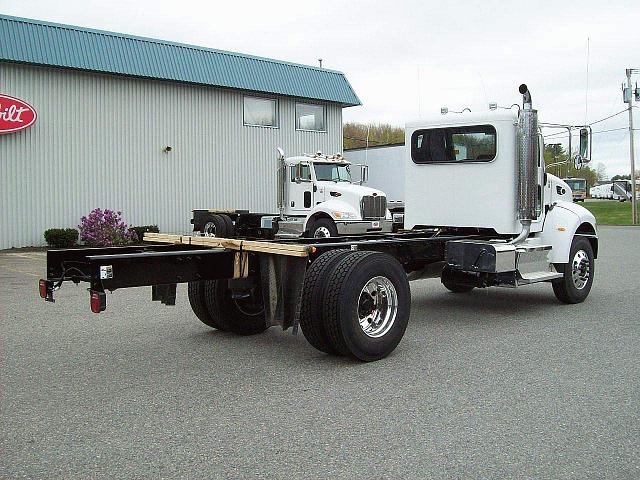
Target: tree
{"x": 601, "y": 172}
{"x": 556, "y": 153}
{"x": 620, "y": 177}
{"x": 355, "y": 134}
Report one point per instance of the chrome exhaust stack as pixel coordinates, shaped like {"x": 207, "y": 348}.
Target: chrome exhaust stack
{"x": 528, "y": 150}
{"x": 282, "y": 173}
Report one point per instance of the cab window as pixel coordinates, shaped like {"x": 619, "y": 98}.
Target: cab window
{"x": 306, "y": 172}
{"x": 454, "y": 144}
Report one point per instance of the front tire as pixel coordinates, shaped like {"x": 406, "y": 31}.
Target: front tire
{"x": 323, "y": 228}
{"x": 367, "y": 303}
{"x": 577, "y": 279}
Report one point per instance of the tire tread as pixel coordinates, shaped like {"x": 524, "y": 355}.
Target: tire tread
{"x": 311, "y": 315}
{"x": 197, "y": 300}
{"x": 331, "y": 309}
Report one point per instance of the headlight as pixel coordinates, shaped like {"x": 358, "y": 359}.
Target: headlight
{"x": 344, "y": 215}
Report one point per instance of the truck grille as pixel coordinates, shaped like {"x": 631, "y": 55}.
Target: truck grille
{"x": 373, "y": 206}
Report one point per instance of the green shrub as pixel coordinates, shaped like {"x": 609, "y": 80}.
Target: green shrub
{"x": 140, "y": 231}
{"x": 61, "y": 237}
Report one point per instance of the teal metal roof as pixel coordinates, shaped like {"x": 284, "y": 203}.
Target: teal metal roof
{"x": 44, "y": 43}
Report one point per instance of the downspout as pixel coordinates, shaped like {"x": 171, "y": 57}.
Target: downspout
{"x": 282, "y": 172}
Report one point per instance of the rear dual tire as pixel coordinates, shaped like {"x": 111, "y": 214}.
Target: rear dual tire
{"x": 218, "y": 225}
{"x": 213, "y": 304}
{"x": 311, "y": 303}
{"x": 197, "y": 300}
{"x": 365, "y": 302}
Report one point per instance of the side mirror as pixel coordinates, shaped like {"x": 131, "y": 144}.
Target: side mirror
{"x": 584, "y": 149}
{"x": 280, "y": 154}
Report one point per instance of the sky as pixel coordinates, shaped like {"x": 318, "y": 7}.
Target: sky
{"x": 407, "y": 59}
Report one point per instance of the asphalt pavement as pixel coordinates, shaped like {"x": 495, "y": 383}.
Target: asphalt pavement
{"x": 497, "y": 383}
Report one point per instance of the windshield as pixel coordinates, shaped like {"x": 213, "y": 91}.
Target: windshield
{"x": 624, "y": 184}
{"x": 576, "y": 183}
{"x": 332, "y": 172}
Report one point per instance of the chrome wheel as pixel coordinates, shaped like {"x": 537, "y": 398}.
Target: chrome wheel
{"x": 377, "y": 307}
{"x": 580, "y": 269}
{"x": 209, "y": 229}
{"x": 321, "y": 232}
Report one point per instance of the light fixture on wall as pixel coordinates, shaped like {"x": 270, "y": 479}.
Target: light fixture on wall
{"x": 167, "y": 149}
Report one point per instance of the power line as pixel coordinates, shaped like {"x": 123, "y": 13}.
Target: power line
{"x": 600, "y": 131}
{"x": 551, "y": 135}
{"x": 607, "y": 118}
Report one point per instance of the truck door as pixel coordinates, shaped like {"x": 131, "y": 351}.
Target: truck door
{"x": 300, "y": 193}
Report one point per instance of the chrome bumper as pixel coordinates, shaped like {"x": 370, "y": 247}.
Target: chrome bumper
{"x": 357, "y": 227}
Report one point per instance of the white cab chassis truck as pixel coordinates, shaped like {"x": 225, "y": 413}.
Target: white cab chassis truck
{"x": 316, "y": 198}
{"x": 481, "y": 212}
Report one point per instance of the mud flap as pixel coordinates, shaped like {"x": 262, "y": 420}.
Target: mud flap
{"x": 282, "y": 280}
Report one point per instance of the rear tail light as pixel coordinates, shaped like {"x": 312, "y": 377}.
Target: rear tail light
{"x": 98, "y": 301}
{"x": 45, "y": 287}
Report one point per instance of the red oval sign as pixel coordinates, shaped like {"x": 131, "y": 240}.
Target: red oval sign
{"x": 15, "y": 114}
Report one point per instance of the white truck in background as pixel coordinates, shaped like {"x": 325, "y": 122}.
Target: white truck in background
{"x": 317, "y": 197}
{"x": 386, "y": 170}
{"x": 619, "y": 190}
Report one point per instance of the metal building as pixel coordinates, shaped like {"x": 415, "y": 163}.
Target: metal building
{"x": 149, "y": 127}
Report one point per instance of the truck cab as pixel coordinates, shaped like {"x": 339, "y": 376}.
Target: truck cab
{"x": 484, "y": 172}
{"x": 316, "y": 197}
{"x": 320, "y": 198}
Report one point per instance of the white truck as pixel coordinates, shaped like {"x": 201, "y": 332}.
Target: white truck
{"x": 317, "y": 197}
{"x": 486, "y": 215}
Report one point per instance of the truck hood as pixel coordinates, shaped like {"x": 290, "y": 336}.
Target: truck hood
{"x": 349, "y": 189}
{"x": 349, "y": 198}
{"x": 582, "y": 213}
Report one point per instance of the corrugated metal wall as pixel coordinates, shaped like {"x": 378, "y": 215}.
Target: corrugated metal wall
{"x": 99, "y": 142}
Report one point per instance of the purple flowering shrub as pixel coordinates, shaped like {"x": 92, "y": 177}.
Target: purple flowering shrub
{"x": 104, "y": 228}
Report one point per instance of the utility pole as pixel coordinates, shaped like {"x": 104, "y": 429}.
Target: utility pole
{"x": 628, "y": 98}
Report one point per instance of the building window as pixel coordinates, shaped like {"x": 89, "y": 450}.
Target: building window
{"x": 454, "y": 145}
{"x": 260, "y": 112}
{"x": 310, "y": 117}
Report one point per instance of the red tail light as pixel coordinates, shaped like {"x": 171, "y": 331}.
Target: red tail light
{"x": 42, "y": 285}
{"x": 98, "y": 301}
